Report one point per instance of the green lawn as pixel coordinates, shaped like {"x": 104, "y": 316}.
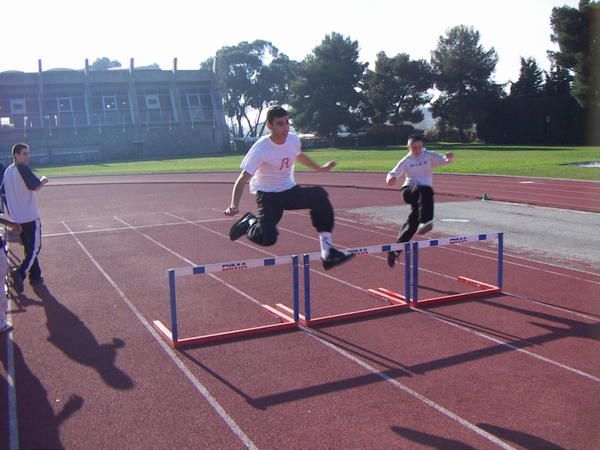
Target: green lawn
{"x": 471, "y": 158}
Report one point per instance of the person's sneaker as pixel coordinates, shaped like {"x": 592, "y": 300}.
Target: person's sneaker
{"x": 5, "y": 328}
{"x": 392, "y": 257}
{"x": 240, "y": 228}
{"x": 36, "y": 281}
{"x": 425, "y": 227}
{"x": 17, "y": 281}
{"x": 335, "y": 258}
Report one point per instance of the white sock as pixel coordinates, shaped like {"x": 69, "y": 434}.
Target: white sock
{"x": 326, "y": 244}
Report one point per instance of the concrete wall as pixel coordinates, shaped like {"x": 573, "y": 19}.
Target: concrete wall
{"x": 135, "y": 142}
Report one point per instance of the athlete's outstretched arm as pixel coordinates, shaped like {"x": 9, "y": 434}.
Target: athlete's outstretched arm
{"x": 236, "y": 195}
{"x": 305, "y": 160}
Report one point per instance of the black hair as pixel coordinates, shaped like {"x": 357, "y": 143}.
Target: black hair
{"x": 18, "y": 148}
{"x": 415, "y": 137}
{"x": 274, "y": 112}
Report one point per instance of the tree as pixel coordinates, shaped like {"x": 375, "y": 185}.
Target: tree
{"x": 397, "y": 90}
{"x": 104, "y": 63}
{"x": 250, "y": 75}
{"x": 577, "y": 33}
{"x": 462, "y": 73}
{"x": 325, "y": 93}
{"x": 530, "y": 82}
{"x": 557, "y": 82}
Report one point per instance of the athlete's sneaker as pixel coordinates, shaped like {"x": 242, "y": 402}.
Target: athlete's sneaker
{"x": 36, "y": 281}
{"x": 241, "y": 227}
{"x": 5, "y": 328}
{"x": 335, "y": 258}
{"x": 425, "y": 227}
{"x": 17, "y": 281}
{"x": 392, "y": 257}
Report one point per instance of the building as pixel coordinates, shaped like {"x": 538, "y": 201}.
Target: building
{"x": 126, "y": 113}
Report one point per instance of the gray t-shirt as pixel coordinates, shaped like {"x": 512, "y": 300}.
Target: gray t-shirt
{"x": 418, "y": 171}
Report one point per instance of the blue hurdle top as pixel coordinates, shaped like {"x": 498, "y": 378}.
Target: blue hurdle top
{"x": 232, "y": 265}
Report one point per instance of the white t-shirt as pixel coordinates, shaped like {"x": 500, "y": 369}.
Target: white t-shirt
{"x": 20, "y": 184}
{"x": 418, "y": 171}
{"x": 272, "y": 165}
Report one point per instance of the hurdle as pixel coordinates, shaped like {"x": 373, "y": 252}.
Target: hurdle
{"x": 484, "y": 289}
{"x": 396, "y": 302}
{"x": 286, "y": 322}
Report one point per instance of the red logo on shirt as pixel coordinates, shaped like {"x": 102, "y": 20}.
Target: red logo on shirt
{"x": 285, "y": 162}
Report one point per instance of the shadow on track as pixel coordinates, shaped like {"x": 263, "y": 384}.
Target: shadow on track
{"x": 39, "y": 425}
{"x": 430, "y": 440}
{"x": 520, "y": 438}
{"x": 71, "y": 336}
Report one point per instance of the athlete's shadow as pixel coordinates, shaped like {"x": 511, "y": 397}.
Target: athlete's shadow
{"x": 430, "y": 440}
{"x": 35, "y": 411}
{"x": 519, "y": 438}
{"x": 71, "y": 336}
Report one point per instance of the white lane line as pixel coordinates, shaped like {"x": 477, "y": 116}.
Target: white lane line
{"x": 506, "y": 344}
{"x": 465, "y": 423}
{"x": 13, "y": 422}
{"x": 483, "y": 335}
{"x": 520, "y": 297}
{"x": 233, "y": 426}
{"x": 506, "y": 254}
{"x": 490, "y": 437}
{"x": 186, "y": 260}
{"x": 156, "y": 225}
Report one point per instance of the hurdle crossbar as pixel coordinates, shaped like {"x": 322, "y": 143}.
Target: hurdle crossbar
{"x": 286, "y": 322}
{"x": 397, "y": 303}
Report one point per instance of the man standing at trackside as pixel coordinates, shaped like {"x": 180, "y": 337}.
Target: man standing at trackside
{"x": 20, "y": 186}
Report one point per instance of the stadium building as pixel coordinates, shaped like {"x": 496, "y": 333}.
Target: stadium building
{"x": 125, "y": 113}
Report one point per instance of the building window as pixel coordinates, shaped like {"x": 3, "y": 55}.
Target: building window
{"x": 152, "y": 101}
{"x": 109, "y": 103}
{"x": 64, "y": 104}
{"x": 193, "y": 101}
{"x": 17, "y": 106}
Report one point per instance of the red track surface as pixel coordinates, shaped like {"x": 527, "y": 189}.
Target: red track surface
{"x": 520, "y": 370}
{"x": 567, "y": 194}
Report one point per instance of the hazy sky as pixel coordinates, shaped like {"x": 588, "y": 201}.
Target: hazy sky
{"x": 64, "y": 32}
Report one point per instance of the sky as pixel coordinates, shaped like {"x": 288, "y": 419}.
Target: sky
{"x": 63, "y": 32}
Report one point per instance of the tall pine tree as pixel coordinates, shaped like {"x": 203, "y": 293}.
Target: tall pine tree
{"x": 325, "y": 92}
{"x": 463, "y": 70}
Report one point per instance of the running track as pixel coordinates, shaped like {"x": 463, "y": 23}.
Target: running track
{"x": 517, "y": 371}
{"x": 566, "y": 194}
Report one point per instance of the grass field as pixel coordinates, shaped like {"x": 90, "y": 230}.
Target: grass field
{"x": 470, "y": 158}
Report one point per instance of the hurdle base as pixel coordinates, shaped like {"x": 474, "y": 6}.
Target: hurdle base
{"x": 485, "y": 290}
{"x": 397, "y": 303}
{"x": 287, "y": 323}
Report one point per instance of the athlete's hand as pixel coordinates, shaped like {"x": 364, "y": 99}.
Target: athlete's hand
{"x": 328, "y": 166}
{"x": 232, "y": 211}
{"x": 449, "y": 156}
{"x": 391, "y": 181}
{"x": 44, "y": 180}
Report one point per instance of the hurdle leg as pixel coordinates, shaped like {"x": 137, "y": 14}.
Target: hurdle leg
{"x": 296, "y": 293}
{"x": 407, "y": 273}
{"x": 306, "y": 261}
{"x": 500, "y": 259}
{"x": 173, "y": 303}
{"x": 415, "y": 272}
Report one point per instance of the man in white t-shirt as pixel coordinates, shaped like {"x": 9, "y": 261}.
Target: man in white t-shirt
{"x": 269, "y": 167}
{"x": 417, "y": 167}
{"x": 20, "y": 186}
